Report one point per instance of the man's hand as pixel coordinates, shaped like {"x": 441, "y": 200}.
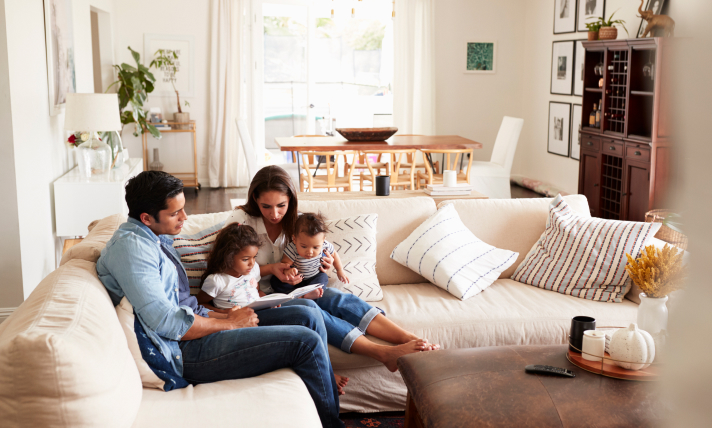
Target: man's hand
{"x": 239, "y": 317}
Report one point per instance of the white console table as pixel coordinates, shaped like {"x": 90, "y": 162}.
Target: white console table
{"x": 80, "y": 200}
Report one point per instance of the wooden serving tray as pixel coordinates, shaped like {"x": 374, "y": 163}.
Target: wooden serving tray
{"x": 609, "y": 369}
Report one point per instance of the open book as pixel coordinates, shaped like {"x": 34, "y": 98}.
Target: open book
{"x": 276, "y": 299}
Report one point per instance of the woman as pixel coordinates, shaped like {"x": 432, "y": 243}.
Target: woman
{"x": 271, "y": 209}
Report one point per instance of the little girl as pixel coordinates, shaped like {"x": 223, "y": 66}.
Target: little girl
{"x": 304, "y": 255}
{"x": 232, "y": 275}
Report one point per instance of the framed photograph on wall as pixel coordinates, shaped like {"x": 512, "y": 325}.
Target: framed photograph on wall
{"x": 59, "y": 39}
{"x": 559, "y": 128}
{"x": 657, "y": 7}
{"x": 589, "y": 11}
{"x": 481, "y": 57}
{"x": 564, "y": 16}
{"x": 579, "y": 57}
{"x": 562, "y": 66}
{"x": 576, "y": 118}
{"x": 184, "y": 74}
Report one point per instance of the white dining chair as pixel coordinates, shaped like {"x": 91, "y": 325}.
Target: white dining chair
{"x": 492, "y": 178}
{"x": 255, "y": 162}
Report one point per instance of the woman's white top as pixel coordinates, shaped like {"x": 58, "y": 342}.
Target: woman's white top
{"x": 270, "y": 252}
{"x": 228, "y": 291}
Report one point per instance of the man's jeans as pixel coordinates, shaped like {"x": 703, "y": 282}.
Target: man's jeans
{"x": 346, "y": 316}
{"x": 293, "y": 337}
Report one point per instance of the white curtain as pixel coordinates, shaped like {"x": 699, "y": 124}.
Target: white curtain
{"x": 414, "y": 74}
{"x": 228, "y": 43}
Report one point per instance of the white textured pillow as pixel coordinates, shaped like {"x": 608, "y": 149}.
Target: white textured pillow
{"x": 124, "y": 310}
{"x": 445, "y": 252}
{"x": 354, "y": 239}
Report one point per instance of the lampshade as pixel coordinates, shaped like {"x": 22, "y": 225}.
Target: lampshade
{"x": 92, "y": 112}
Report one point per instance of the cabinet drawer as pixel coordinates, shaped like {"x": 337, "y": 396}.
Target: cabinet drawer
{"x": 637, "y": 153}
{"x": 612, "y": 147}
{"x": 590, "y": 143}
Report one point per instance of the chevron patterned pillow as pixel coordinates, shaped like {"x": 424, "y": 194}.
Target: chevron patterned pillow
{"x": 355, "y": 241}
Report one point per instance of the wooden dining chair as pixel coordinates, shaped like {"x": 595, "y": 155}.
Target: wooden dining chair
{"x": 411, "y": 159}
{"x": 433, "y": 177}
{"x": 331, "y": 179}
{"x": 313, "y": 161}
{"x": 395, "y": 168}
{"x": 358, "y": 164}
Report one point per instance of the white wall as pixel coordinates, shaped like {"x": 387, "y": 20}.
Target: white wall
{"x": 135, "y": 18}
{"x": 472, "y": 105}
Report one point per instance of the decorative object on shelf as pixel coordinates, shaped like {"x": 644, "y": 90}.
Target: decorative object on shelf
{"x": 652, "y": 20}
{"x": 60, "y": 53}
{"x": 657, "y": 273}
{"x": 565, "y": 16}
{"x": 383, "y": 185}
{"x": 449, "y": 178}
{"x": 579, "y": 324}
{"x": 113, "y": 139}
{"x": 607, "y": 30}
{"x": 93, "y": 113}
{"x": 575, "y": 149}
{"x": 594, "y": 345}
{"x": 649, "y": 69}
{"x": 562, "y": 66}
{"x": 579, "y": 57}
{"x": 367, "y": 134}
{"x": 587, "y": 10}
{"x": 670, "y": 231}
{"x": 559, "y": 128}
{"x": 632, "y": 348}
{"x": 167, "y": 60}
{"x": 156, "y": 165}
{"x": 480, "y": 57}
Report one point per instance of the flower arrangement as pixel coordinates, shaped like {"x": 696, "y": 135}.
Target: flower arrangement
{"x": 78, "y": 138}
{"x": 657, "y": 272}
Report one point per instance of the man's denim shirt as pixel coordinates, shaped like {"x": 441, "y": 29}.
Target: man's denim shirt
{"x": 133, "y": 265}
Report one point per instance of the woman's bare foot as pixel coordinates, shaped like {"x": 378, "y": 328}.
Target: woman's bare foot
{"x": 388, "y": 355}
{"x": 341, "y": 382}
{"x": 431, "y": 346}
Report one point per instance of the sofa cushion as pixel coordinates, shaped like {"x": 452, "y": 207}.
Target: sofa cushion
{"x": 194, "y": 248}
{"x": 511, "y": 224}
{"x": 276, "y": 399}
{"x": 397, "y": 218}
{"x": 64, "y": 361}
{"x": 445, "y": 252}
{"x": 584, "y": 256}
{"x": 90, "y": 247}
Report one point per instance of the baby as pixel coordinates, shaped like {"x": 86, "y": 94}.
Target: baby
{"x": 304, "y": 255}
{"x": 232, "y": 275}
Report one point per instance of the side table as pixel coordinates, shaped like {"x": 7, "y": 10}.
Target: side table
{"x": 79, "y": 200}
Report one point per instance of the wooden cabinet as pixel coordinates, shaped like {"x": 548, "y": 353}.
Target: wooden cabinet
{"x": 624, "y": 162}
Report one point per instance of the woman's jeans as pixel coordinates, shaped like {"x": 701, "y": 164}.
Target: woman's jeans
{"x": 293, "y": 337}
{"x": 346, "y": 316}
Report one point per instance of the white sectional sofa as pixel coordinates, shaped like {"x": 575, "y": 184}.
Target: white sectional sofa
{"x": 63, "y": 355}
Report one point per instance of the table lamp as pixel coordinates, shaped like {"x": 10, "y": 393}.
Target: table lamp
{"x": 90, "y": 114}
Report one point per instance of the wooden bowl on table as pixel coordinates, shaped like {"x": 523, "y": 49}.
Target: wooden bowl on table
{"x": 367, "y": 134}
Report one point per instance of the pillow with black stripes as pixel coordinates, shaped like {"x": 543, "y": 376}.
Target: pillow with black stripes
{"x": 354, "y": 239}
{"x": 444, "y": 251}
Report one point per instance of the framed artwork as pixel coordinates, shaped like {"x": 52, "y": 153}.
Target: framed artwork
{"x": 183, "y": 74}
{"x": 59, "y": 39}
{"x": 481, "y": 57}
{"x": 562, "y": 67}
{"x": 576, "y": 118}
{"x": 564, "y": 16}
{"x": 589, "y": 11}
{"x": 657, "y": 7}
{"x": 559, "y": 128}
{"x": 579, "y": 58}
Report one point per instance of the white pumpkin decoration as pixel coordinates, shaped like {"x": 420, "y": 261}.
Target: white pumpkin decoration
{"x": 634, "y": 346}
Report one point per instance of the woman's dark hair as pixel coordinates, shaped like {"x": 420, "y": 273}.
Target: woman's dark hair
{"x": 229, "y": 242}
{"x": 268, "y": 179}
{"x": 149, "y": 191}
{"x": 311, "y": 224}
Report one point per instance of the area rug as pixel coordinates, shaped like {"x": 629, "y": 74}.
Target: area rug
{"x": 374, "y": 420}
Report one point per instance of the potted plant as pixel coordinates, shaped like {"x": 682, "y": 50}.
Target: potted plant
{"x": 606, "y": 29}
{"x": 593, "y": 28}
{"x": 165, "y": 59}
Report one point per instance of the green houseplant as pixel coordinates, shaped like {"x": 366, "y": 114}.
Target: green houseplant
{"x": 593, "y": 28}
{"x": 165, "y": 59}
{"x": 606, "y": 29}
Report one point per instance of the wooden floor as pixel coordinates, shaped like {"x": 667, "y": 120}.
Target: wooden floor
{"x": 210, "y": 200}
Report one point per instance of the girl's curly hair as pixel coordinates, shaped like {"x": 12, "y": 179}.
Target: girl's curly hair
{"x": 229, "y": 242}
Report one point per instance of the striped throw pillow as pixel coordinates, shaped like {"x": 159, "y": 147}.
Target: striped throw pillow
{"x": 193, "y": 250}
{"x": 443, "y": 250}
{"x": 583, "y": 257}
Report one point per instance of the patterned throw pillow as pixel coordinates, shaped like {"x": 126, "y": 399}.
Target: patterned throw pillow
{"x": 583, "y": 257}
{"x": 443, "y": 250}
{"x": 194, "y": 250}
{"x": 354, "y": 239}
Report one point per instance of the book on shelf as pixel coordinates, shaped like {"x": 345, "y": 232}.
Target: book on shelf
{"x": 276, "y": 299}
{"x": 458, "y": 187}
{"x": 163, "y": 127}
{"x": 448, "y": 192}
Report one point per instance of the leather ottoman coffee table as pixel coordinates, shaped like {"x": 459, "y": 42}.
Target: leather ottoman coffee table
{"x": 488, "y": 387}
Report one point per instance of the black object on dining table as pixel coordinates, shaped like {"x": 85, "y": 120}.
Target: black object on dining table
{"x": 579, "y": 324}
{"x": 383, "y": 185}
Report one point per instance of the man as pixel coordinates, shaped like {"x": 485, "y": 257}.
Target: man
{"x": 139, "y": 262}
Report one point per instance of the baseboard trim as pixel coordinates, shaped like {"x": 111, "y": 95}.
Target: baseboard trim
{"x": 5, "y": 312}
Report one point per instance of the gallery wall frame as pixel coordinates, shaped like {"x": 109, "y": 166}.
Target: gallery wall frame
{"x": 59, "y": 42}
{"x": 587, "y": 10}
{"x": 562, "y": 67}
{"x": 481, "y": 52}
{"x": 576, "y": 120}
{"x": 579, "y": 57}
{"x": 185, "y": 77}
{"x": 559, "y": 126}
{"x": 565, "y": 16}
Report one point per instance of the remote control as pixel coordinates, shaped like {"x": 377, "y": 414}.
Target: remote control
{"x": 548, "y": 370}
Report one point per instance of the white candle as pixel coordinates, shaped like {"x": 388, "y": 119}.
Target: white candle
{"x": 594, "y": 345}
{"x": 449, "y": 178}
